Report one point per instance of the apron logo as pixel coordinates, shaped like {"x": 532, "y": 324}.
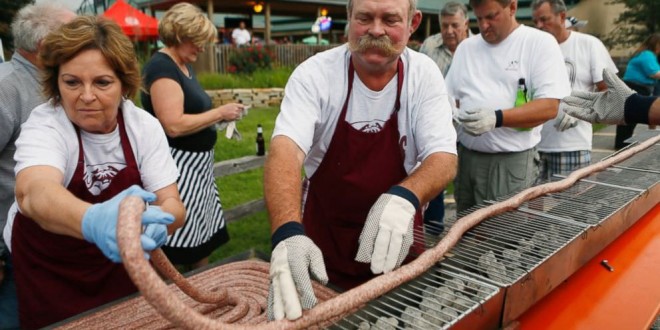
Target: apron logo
{"x": 370, "y": 127}
{"x": 99, "y": 177}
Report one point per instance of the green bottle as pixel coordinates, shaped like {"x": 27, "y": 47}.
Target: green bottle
{"x": 521, "y": 98}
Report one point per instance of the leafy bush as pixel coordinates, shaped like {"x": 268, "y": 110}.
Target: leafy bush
{"x": 249, "y": 59}
{"x": 261, "y": 78}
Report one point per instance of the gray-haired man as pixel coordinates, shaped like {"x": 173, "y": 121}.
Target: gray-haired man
{"x": 20, "y": 92}
{"x": 453, "y": 29}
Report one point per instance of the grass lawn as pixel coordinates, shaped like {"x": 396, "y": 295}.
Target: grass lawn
{"x": 226, "y": 149}
{"x": 251, "y": 232}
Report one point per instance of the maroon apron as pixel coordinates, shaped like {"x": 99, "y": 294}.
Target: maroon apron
{"x": 357, "y": 168}
{"x": 59, "y": 276}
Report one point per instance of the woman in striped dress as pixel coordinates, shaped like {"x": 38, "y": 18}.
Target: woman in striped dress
{"x": 173, "y": 94}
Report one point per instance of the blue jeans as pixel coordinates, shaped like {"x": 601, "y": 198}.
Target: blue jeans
{"x": 8, "y": 300}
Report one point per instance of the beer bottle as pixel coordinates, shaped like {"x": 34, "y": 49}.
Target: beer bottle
{"x": 261, "y": 143}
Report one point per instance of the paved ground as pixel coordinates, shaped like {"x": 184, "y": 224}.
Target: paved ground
{"x": 603, "y": 143}
{"x": 603, "y": 146}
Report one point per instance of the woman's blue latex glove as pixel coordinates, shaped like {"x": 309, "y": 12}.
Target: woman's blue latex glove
{"x": 154, "y": 234}
{"x": 99, "y": 223}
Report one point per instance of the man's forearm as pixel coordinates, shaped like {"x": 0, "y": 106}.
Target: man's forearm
{"x": 432, "y": 176}
{"x": 531, "y": 114}
{"x": 282, "y": 182}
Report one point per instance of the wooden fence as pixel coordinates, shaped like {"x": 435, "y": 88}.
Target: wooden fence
{"x": 283, "y": 55}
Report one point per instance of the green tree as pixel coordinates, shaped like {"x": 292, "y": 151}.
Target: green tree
{"x": 8, "y": 9}
{"x": 640, "y": 19}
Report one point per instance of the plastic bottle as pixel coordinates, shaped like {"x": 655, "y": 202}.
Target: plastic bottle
{"x": 521, "y": 99}
{"x": 261, "y": 143}
{"x": 521, "y": 94}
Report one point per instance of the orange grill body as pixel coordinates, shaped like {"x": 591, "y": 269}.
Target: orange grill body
{"x": 595, "y": 298}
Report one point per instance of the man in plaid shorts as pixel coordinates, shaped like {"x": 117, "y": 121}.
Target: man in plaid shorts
{"x": 566, "y": 141}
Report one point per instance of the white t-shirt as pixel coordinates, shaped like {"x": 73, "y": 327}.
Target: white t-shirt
{"x": 49, "y": 138}
{"x": 585, "y": 57}
{"x": 316, "y": 91}
{"x": 241, "y": 36}
{"x": 483, "y": 75}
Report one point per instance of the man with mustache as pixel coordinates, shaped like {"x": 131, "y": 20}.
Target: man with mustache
{"x": 507, "y": 81}
{"x": 359, "y": 118}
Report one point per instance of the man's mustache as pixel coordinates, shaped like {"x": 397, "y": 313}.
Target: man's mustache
{"x": 368, "y": 42}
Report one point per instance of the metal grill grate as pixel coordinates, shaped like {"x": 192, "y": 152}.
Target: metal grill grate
{"x": 437, "y": 299}
{"x": 624, "y": 179}
{"x": 648, "y": 160}
{"x": 508, "y": 246}
{"x": 585, "y": 203}
{"x": 504, "y": 257}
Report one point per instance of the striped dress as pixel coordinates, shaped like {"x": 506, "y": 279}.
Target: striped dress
{"x": 204, "y": 229}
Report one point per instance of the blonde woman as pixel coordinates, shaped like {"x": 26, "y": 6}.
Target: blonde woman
{"x": 173, "y": 95}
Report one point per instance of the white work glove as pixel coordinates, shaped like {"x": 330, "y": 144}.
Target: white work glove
{"x": 601, "y": 107}
{"x": 564, "y": 121}
{"x": 292, "y": 261}
{"x": 477, "y": 121}
{"x": 388, "y": 232}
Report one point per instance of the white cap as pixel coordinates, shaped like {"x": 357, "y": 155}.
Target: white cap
{"x": 573, "y": 22}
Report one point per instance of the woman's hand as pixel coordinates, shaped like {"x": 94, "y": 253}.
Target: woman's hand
{"x": 99, "y": 223}
{"x": 231, "y": 111}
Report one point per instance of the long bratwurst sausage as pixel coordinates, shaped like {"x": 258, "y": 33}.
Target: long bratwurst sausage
{"x": 165, "y": 302}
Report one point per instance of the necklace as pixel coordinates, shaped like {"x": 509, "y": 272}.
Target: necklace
{"x": 176, "y": 60}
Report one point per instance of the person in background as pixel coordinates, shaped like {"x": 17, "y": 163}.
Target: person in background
{"x": 374, "y": 152}
{"x": 656, "y": 89}
{"x": 617, "y": 105}
{"x": 453, "y": 19}
{"x": 573, "y": 24}
{"x": 20, "y": 92}
{"x": 642, "y": 73}
{"x": 656, "y": 92}
{"x": 566, "y": 141}
{"x": 223, "y": 36}
{"x": 497, "y": 134}
{"x": 78, "y": 155}
{"x": 173, "y": 95}
{"x": 454, "y": 28}
{"x": 240, "y": 36}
